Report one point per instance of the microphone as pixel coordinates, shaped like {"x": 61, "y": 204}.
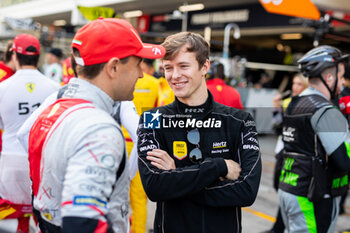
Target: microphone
{"x": 286, "y": 94}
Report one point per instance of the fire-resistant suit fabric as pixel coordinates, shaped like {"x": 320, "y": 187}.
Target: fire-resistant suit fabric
{"x": 79, "y": 176}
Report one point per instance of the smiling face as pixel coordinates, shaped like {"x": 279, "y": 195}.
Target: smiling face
{"x": 186, "y": 78}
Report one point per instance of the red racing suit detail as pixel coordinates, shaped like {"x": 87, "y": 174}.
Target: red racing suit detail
{"x": 37, "y": 138}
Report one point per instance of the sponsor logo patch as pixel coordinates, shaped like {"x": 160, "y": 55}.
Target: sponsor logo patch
{"x": 2, "y": 74}
{"x": 88, "y": 200}
{"x": 250, "y": 147}
{"x": 288, "y": 134}
{"x": 30, "y": 87}
{"x": 194, "y": 110}
{"x": 217, "y": 145}
{"x": 249, "y": 123}
{"x": 148, "y": 147}
{"x": 47, "y": 216}
{"x": 179, "y": 149}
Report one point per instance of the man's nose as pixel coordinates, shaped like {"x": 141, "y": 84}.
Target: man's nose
{"x": 176, "y": 73}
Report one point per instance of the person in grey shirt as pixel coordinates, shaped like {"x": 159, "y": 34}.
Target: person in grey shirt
{"x": 316, "y": 157}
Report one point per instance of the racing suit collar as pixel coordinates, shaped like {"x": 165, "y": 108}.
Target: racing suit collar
{"x": 200, "y": 110}
{"x": 79, "y": 88}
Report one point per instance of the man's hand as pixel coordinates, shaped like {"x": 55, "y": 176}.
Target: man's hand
{"x": 161, "y": 159}
{"x": 233, "y": 169}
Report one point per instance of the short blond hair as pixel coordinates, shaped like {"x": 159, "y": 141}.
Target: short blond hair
{"x": 303, "y": 79}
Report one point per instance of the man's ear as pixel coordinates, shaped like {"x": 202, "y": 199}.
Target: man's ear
{"x": 205, "y": 67}
{"x": 112, "y": 67}
{"x": 329, "y": 78}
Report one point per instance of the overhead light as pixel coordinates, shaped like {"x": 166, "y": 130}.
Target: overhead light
{"x": 131, "y": 14}
{"x": 207, "y": 34}
{"x": 176, "y": 14}
{"x": 59, "y": 22}
{"x": 192, "y": 7}
{"x": 291, "y": 36}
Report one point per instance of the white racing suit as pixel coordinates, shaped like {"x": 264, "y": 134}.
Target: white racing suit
{"x": 77, "y": 163}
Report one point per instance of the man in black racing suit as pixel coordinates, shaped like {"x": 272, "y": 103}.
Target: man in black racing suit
{"x": 199, "y": 160}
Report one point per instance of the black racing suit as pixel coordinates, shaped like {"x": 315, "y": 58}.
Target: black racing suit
{"x": 192, "y": 198}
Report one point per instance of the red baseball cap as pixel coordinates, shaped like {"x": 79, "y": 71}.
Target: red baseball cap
{"x": 103, "y": 39}
{"x": 22, "y": 42}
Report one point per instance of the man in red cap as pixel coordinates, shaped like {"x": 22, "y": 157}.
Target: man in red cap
{"x": 76, "y": 149}
{"x": 19, "y": 97}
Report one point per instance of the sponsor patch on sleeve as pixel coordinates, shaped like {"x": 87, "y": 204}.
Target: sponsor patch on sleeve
{"x": 250, "y": 147}
{"x": 88, "y": 200}
{"x": 147, "y": 148}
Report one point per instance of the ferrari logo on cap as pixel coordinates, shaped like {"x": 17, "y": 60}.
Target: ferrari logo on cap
{"x": 30, "y": 87}
{"x": 156, "y": 51}
{"x": 179, "y": 149}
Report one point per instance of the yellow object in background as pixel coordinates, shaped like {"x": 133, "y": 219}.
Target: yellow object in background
{"x": 166, "y": 94}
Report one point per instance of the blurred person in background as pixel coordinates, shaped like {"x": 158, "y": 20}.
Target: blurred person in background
{"x": 53, "y": 66}
{"x": 7, "y": 69}
{"x": 145, "y": 98}
{"x": 68, "y": 71}
{"x": 20, "y": 95}
{"x": 222, "y": 93}
{"x": 281, "y": 100}
{"x": 166, "y": 94}
{"x": 346, "y": 86}
{"x": 258, "y": 79}
{"x": 280, "y": 103}
{"x": 147, "y": 66}
{"x": 344, "y": 105}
